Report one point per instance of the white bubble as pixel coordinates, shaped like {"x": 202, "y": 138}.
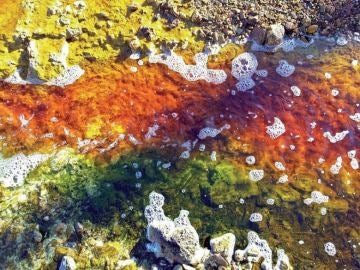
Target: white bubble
{"x": 284, "y": 69}
{"x": 256, "y": 175}
{"x": 270, "y": 201}
{"x": 250, "y": 160}
{"x": 279, "y": 166}
{"x": 330, "y": 249}
{"x": 339, "y": 136}
{"x": 335, "y": 92}
{"x": 276, "y": 129}
{"x": 295, "y": 90}
{"x": 335, "y": 168}
{"x": 256, "y": 217}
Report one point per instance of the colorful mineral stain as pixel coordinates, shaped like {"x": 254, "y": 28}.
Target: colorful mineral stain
{"x": 279, "y": 157}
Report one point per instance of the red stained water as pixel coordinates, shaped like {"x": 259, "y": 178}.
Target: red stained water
{"x": 111, "y": 93}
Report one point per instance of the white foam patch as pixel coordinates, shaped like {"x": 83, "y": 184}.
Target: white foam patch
{"x": 250, "y": 160}
{"x": 262, "y": 246}
{"x": 211, "y": 132}
{"x": 256, "y": 217}
{"x": 330, "y": 249}
{"x": 242, "y": 68}
{"x": 295, "y": 90}
{"x": 353, "y": 161}
{"x": 355, "y": 117}
{"x": 262, "y": 73}
{"x": 335, "y": 168}
{"x": 283, "y": 179}
{"x": 151, "y": 132}
{"x": 276, "y": 129}
{"x": 245, "y": 84}
{"x": 284, "y": 69}
{"x": 287, "y": 45}
{"x": 279, "y": 166}
{"x": 196, "y": 72}
{"x": 339, "y": 136}
{"x": 256, "y": 175}
{"x": 14, "y": 170}
{"x": 316, "y": 197}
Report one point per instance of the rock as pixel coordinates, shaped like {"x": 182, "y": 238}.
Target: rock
{"x": 275, "y": 35}
{"x": 187, "y": 267}
{"x": 178, "y": 244}
{"x": 258, "y": 34}
{"x": 215, "y": 261}
{"x": 133, "y": 7}
{"x": 67, "y": 263}
{"x": 239, "y": 255}
{"x": 224, "y": 245}
{"x": 178, "y": 267}
{"x": 37, "y": 236}
{"x": 73, "y": 33}
{"x": 177, "y": 241}
{"x": 312, "y": 29}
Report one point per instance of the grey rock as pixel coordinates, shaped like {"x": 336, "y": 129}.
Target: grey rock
{"x": 37, "y": 236}
{"x": 239, "y": 255}
{"x": 275, "y": 35}
{"x": 67, "y": 263}
{"x": 258, "y": 34}
{"x": 224, "y": 245}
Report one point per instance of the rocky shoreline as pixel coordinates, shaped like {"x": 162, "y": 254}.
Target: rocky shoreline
{"x": 221, "y": 20}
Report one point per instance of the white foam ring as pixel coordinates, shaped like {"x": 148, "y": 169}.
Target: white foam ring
{"x": 355, "y": 117}
{"x": 14, "y": 170}
{"x": 316, "y": 197}
{"x": 256, "y": 217}
{"x": 284, "y": 69}
{"x": 211, "y": 132}
{"x": 243, "y": 67}
{"x": 330, "y": 249}
{"x": 276, "y": 129}
{"x": 339, "y": 136}
{"x": 196, "y": 72}
{"x": 256, "y": 175}
{"x": 335, "y": 168}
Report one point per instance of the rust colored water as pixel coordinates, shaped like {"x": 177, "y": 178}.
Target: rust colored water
{"x": 110, "y": 100}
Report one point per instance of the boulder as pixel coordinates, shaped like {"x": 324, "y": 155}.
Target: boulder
{"x": 258, "y": 34}
{"x": 224, "y": 245}
{"x": 67, "y": 263}
{"x": 275, "y": 35}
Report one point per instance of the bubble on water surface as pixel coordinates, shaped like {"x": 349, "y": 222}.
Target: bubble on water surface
{"x": 270, "y": 201}
{"x": 250, "y": 160}
{"x": 196, "y": 72}
{"x": 279, "y": 166}
{"x": 330, "y": 249}
{"x": 14, "y": 170}
{"x": 211, "y": 132}
{"x": 339, "y": 136}
{"x": 355, "y": 117}
{"x": 283, "y": 179}
{"x": 243, "y": 67}
{"x": 316, "y": 197}
{"x": 256, "y": 175}
{"x": 256, "y": 217}
{"x": 276, "y": 129}
{"x": 262, "y": 73}
{"x": 295, "y": 90}
{"x": 335, "y": 92}
{"x": 284, "y": 69}
{"x": 335, "y": 168}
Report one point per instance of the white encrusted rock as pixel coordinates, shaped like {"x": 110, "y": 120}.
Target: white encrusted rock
{"x": 224, "y": 245}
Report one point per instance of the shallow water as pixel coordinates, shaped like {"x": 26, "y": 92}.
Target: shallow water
{"x": 117, "y": 172}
